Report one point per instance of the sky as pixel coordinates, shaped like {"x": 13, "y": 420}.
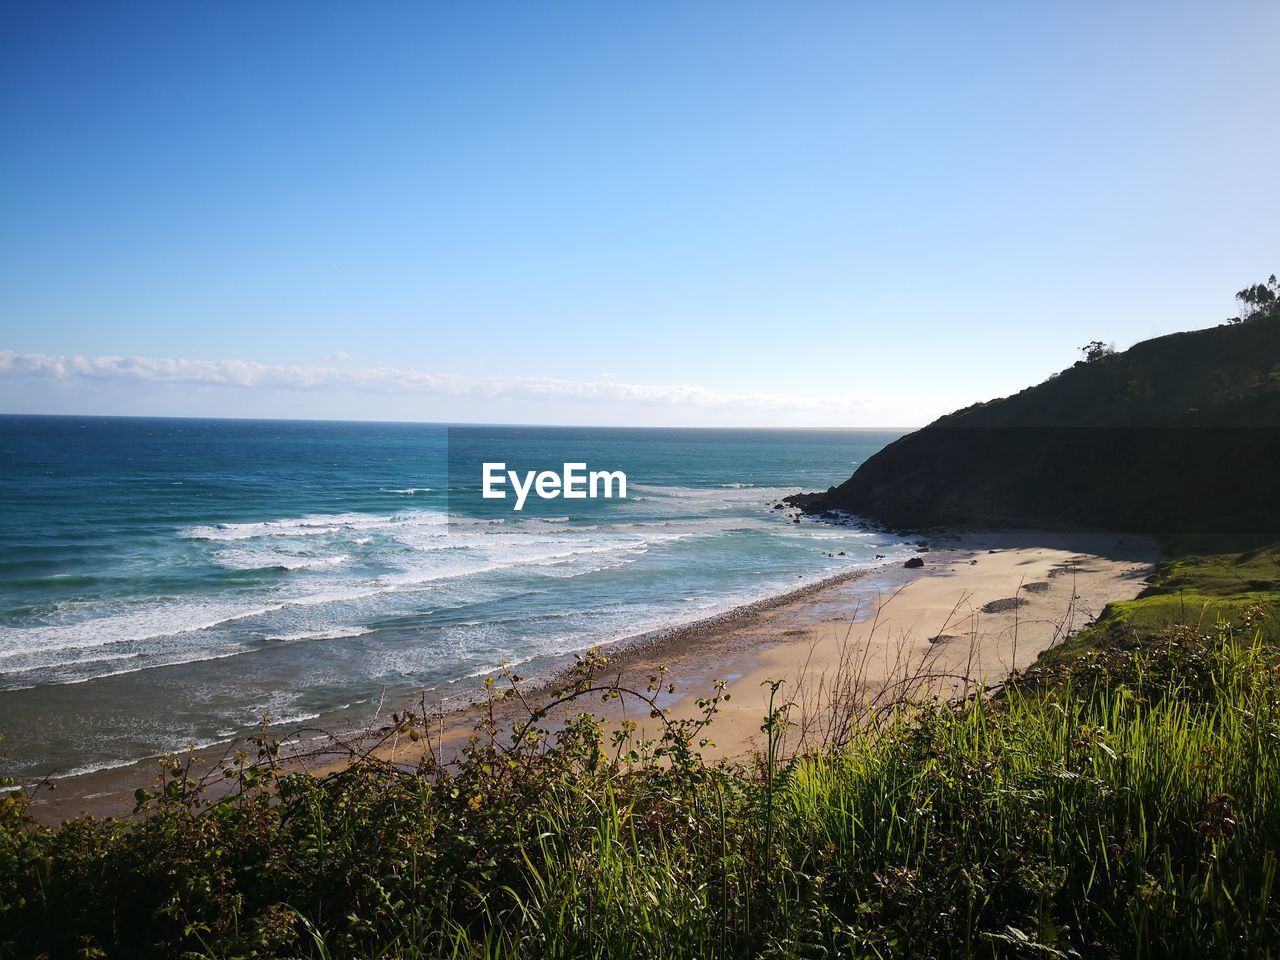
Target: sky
{"x": 702, "y": 214}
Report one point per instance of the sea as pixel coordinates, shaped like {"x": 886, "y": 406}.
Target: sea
{"x": 166, "y": 582}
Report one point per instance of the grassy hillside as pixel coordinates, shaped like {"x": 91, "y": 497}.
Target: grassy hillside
{"x": 1127, "y": 805}
{"x": 1196, "y": 591}
{"x": 1177, "y": 435}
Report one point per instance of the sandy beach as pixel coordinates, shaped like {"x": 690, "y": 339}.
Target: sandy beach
{"x": 980, "y": 605}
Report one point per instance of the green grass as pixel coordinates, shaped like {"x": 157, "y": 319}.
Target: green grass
{"x": 1126, "y": 805}
{"x": 1198, "y": 590}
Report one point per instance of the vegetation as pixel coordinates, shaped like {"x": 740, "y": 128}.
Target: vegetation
{"x": 1124, "y": 804}
{"x": 1259, "y": 301}
{"x": 1202, "y": 590}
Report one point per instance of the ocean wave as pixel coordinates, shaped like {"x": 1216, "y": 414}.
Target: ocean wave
{"x": 156, "y": 620}
{"x": 335, "y": 633}
{"x": 292, "y": 718}
{"x": 50, "y": 643}
{"x": 104, "y": 765}
{"x": 315, "y": 525}
{"x": 414, "y": 554}
{"x": 267, "y": 560}
{"x": 91, "y": 663}
{"x": 691, "y": 500}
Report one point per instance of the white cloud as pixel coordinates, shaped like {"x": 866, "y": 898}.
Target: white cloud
{"x": 388, "y": 381}
{"x": 246, "y": 374}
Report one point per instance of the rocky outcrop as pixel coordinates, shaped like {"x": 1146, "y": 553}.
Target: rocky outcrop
{"x": 1177, "y": 434}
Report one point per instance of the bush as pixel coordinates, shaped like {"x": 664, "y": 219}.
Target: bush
{"x": 1125, "y": 804}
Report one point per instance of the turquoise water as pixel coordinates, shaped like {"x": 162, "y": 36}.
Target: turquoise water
{"x": 167, "y": 581}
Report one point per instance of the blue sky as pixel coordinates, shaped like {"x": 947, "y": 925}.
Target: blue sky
{"x": 740, "y": 214}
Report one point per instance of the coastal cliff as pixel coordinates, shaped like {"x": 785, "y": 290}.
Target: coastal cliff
{"x": 1177, "y": 434}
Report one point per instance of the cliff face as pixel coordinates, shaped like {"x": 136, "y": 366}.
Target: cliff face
{"x": 1177, "y": 434}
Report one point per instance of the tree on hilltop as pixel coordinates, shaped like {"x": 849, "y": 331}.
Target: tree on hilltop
{"x": 1259, "y": 300}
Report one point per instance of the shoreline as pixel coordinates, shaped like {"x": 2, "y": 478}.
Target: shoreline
{"x": 853, "y": 636}
{"x": 108, "y": 790}
{"x": 803, "y": 636}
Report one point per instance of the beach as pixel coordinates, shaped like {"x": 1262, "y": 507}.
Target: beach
{"x": 941, "y": 629}
{"x": 837, "y": 645}
{"x": 884, "y": 633}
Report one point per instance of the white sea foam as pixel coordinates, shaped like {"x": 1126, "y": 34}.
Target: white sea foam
{"x": 316, "y": 525}
{"x": 105, "y": 765}
{"x": 405, "y": 556}
{"x": 291, "y": 718}
{"x": 145, "y": 622}
{"x": 335, "y": 633}
{"x": 160, "y": 620}
{"x": 242, "y": 559}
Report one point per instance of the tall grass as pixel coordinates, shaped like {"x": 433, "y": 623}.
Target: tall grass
{"x": 1127, "y": 805}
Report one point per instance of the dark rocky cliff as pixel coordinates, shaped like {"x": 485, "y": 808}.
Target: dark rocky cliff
{"x": 1177, "y": 434}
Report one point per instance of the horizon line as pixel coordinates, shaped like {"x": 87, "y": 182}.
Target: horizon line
{"x": 449, "y": 424}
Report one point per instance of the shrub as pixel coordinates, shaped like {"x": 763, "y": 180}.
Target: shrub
{"x": 1124, "y": 804}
